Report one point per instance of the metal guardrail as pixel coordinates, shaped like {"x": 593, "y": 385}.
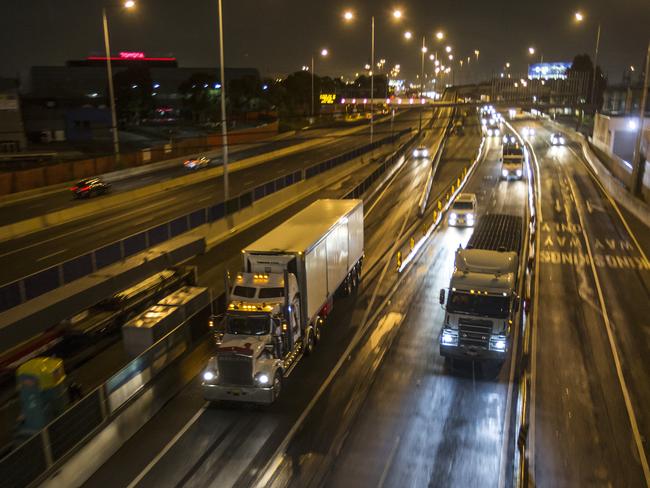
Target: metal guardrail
{"x": 34, "y": 285}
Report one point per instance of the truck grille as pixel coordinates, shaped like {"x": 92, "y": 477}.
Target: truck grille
{"x": 235, "y": 369}
{"x": 474, "y": 333}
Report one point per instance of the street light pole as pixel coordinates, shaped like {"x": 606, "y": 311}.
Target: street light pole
{"x": 424, "y": 48}
{"x": 639, "y": 163}
{"x": 372, "y": 74}
{"x": 312, "y": 85}
{"x": 593, "y": 80}
{"x": 111, "y": 92}
{"x": 224, "y": 127}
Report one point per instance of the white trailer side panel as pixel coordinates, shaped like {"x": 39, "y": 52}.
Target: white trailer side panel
{"x": 337, "y": 256}
{"x": 316, "y": 278}
{"x": 355, "y": 236}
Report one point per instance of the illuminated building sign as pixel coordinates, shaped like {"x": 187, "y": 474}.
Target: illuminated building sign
{"x": 327, "y": 98}
{"x": 548, "y": 71}
{"x": 129, "y": 56}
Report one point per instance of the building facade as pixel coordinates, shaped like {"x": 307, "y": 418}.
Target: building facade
{"x": 12, "y": 131}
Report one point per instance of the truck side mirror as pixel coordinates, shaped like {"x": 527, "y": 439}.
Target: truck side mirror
{"x": 442, "y": 296}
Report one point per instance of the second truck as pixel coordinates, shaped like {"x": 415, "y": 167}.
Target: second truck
{"x": 281, "y": 298}
{"x": 481, "y": 301}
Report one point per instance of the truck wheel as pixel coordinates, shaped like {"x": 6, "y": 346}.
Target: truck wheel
{"x": 309, "y": 347}
{"x": 277, "y": 385}
{"x": 317, "y": 331}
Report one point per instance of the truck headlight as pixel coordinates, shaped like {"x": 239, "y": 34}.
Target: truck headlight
{"x": 449, "y": 337}
{"x": 498, "y": 343}
{"x": 504, "y": 173}
{"x": 562, "y": 140}
{"x": 519, "y": 173}
{"x": 262, "y": 379}
{"x": 497, "y": 132}
{"x": 209, "y": 376}
{"x": 489, "y": 132}
{"x": 470, "y": 218}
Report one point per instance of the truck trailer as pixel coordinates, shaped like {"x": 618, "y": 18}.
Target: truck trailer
{"x": 481, "y": 301}
{"x": 280, "y": 299}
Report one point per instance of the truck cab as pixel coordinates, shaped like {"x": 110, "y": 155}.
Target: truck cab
{"x": 512, "y": 161}
{"x": 262, "y": 336}
{"x": 480, "y": 305}
{"x": 463, "y": 211}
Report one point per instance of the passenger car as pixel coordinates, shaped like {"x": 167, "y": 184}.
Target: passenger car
{"x": 89, "y": 187}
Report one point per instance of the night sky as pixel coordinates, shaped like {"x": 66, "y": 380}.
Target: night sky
{"x": 278, "y": 36}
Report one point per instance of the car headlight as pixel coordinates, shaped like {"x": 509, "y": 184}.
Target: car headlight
{"x": 416, "y": 153}
{"x": 489, "y": 132}
{"x": 483, "y": 122}
{"x": 497, "y": 132}
{"x": 209, "y": 376}
{"x": 562, "y": 140}
{"x": 504, "y": 173}
{"x": 449, "y": 337}
{"x": 262, "y": 379}
{"x": 453, "y": 216}
{"x": 519, "y": 173}
{"x": 470, "y": 216}
{"x": 498, "y": 343}
{"x": 425, "y": 153}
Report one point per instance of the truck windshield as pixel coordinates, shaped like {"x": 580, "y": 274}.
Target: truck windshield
{"x": 463, "y": 206}
{"x": 276, "y": 292}
{"x": 246, "y": 324}
{"x": 486, "y": 305}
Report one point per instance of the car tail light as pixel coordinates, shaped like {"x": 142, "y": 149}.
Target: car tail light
{"x": 84, "y": 188}
{"x": 73, "y": 188}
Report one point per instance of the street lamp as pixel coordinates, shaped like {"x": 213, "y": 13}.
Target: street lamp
{"x": 109, "y": 70}
{"x": 531, "y": 50}
{"x": 224, "y": 121}
{"x": 579, "y": 17}
{"x": 440, "y": 35}
{"x": 323, "y": 52}
{"x": 408, "y": 35}
{"x": 348, "y": 16}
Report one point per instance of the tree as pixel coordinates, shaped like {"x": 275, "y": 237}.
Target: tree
{"x": 582, "y": 68}
{"x": 133, "y": 93}
{"x": 201, "y": 97}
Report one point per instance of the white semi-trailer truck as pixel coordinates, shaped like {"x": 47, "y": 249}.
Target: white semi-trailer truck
{"x": 481, "y": 301}
{"x": 280, "y": 299}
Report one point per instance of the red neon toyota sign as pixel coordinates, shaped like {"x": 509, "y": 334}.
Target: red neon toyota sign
{"x": 131, "y": 55}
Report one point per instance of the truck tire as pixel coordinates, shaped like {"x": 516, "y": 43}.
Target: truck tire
{"x": 309, "y": 344}
{"x": 317, "y": 331}
{"x": 277, "y": 385}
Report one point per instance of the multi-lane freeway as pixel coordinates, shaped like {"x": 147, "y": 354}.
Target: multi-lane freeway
{"x": 377, "y": 405}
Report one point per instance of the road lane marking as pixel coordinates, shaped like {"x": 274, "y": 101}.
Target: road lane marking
{"x": 610, "y": 336}
{"x": 168, "y": 446}
{"x": 43, "y": 258}
{"x": 613, "y": 204}
{"x": 389, "y": 463}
